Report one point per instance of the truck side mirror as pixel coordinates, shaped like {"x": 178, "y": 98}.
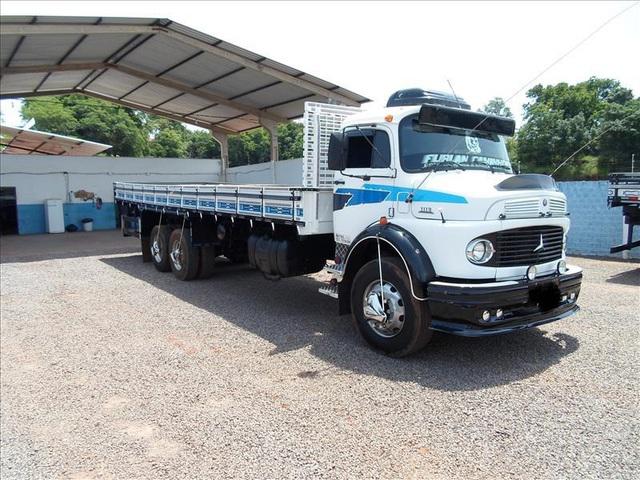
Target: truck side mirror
{"x": 337, "y": 157}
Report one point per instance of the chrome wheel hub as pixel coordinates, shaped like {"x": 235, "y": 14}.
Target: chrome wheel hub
{"x": 385, "y": 319}
{"x": 176, "y": 255}
{"x": 155, "y": 251}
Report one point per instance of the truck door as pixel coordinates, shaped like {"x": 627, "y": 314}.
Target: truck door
{"x": 363, "y": 191}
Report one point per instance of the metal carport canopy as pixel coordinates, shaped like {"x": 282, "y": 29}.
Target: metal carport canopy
{"x": 22, "y": 141}
{"x": 157, "y": 66}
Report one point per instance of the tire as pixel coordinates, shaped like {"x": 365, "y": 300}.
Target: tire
{"x": 207, "y": 261}
{"x": 184, "y": 258}
{"x": 405, "y": 329}
{"x": 159, "y": 247}
{"x": 145, "y": 245}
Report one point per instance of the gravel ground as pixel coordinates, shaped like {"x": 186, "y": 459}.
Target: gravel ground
{"x": 110, "y": 369}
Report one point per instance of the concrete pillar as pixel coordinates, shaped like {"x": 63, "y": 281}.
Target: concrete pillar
{"x": 223, "y": 140}
{"x": 272, "y": 127}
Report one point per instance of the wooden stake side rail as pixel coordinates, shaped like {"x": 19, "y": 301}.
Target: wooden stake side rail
{"x": 299, "y": 205}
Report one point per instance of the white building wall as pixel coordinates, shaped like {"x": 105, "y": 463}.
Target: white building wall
{"x": 39, "y": 177}
{"x": 288, "y": 172}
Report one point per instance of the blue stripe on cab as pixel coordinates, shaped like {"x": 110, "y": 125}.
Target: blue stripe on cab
{"x": 362, "y": 197}
{"x": 376, "y": 193}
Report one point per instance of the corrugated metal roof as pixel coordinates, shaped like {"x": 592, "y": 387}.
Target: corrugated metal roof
{"x": 158, "y": 66}
{"x": 22, "y": 141}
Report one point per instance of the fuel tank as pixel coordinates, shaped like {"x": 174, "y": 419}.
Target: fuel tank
{"x": 278, "y": 258}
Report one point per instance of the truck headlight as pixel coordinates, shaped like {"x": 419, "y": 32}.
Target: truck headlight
{"x": 562, "y": 267}
{"x": 480, "y": 251}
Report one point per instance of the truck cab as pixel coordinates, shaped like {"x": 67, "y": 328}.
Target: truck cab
{"x": 424, "y": 189}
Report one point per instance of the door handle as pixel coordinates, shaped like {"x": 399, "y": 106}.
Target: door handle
{"x": 338, "y": 182}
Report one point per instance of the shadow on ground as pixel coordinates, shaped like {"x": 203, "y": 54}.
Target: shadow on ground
{"x": 291, "y": 314}
{"x": 35, "y": 248}
{"x": 39, "y": 257}
{"x": 630, "y": 277}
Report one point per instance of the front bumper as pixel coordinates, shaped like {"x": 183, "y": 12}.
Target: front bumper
{"x": 457, "y": 308}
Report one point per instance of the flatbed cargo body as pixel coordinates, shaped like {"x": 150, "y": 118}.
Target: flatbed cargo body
{"x": 310, "y": 209}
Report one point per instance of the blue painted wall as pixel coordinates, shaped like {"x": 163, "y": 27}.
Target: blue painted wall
{"x": 594, "y": 227}
{"x": 31, "y": 216}
{"x": 31, "y": 219}
{"x": 103, "y": 219}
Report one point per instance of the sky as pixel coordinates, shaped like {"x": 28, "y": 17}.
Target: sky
{"x": 484, "y": 49}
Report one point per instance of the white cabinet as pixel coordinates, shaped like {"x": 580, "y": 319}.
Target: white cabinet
{"x": 54, "y": 216}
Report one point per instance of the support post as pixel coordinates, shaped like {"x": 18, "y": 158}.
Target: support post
{"x": 272, "y": 127}
{"x": 223, "y": 141}
{"x": 627, "y": 235}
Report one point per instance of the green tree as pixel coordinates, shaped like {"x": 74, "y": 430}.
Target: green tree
{"x": 254, "y": 146}
{"x": 137, "y": 134}
{"x": 50, "y": 115}
{"x": 497, "y": 106}
{"x": 168, "y": 138}
{"x": 202, "y": 145}
{"x": 290, "y": 140}
{"x": 249, "y": 147}
{"x": 90, "y": 119}
{"x": 621, "y": 137}
{"x": 168, "y": 143}
{"x": 562, "y": 119}
{"x": 548, "y": 138}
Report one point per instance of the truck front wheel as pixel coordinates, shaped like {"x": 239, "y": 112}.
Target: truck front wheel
{"x": 387, "y": 315}
{"x": 185, "y": 258}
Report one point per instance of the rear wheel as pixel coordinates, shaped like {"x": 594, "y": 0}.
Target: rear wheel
{"x": 145, "y": 244}
{"x": 207, "y": 261}
{"x": 159, "y": 247}
{"x": 184, "y": 257}
{"x": 388, "y": 316}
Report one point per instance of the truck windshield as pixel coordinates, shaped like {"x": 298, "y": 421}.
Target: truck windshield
{"x": 424, "y": 148}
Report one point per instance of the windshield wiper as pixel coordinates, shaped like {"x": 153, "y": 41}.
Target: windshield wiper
{"x": 493, "y": 167}
{"x": 446, "y": 165}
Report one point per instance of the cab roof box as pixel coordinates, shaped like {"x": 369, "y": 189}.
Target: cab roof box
{"x": 418, "y": 96}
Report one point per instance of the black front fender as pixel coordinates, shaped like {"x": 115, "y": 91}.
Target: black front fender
{"x": 400, "y": 242}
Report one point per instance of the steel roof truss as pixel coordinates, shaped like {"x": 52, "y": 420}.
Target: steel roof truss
{"x": 43, "y": 29}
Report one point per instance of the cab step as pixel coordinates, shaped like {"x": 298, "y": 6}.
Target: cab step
{"x": 334, "y": 269}
{"x": 329, "y": 288}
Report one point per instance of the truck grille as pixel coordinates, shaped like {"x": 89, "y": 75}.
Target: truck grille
{"x": 516, "y": 247}
{"x": 557, "y": 206}
{"x": 522, "y": 208}
{"x": 534, "y": 207}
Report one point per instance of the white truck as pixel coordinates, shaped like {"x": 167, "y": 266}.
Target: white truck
{"x": 414, "y": 210}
